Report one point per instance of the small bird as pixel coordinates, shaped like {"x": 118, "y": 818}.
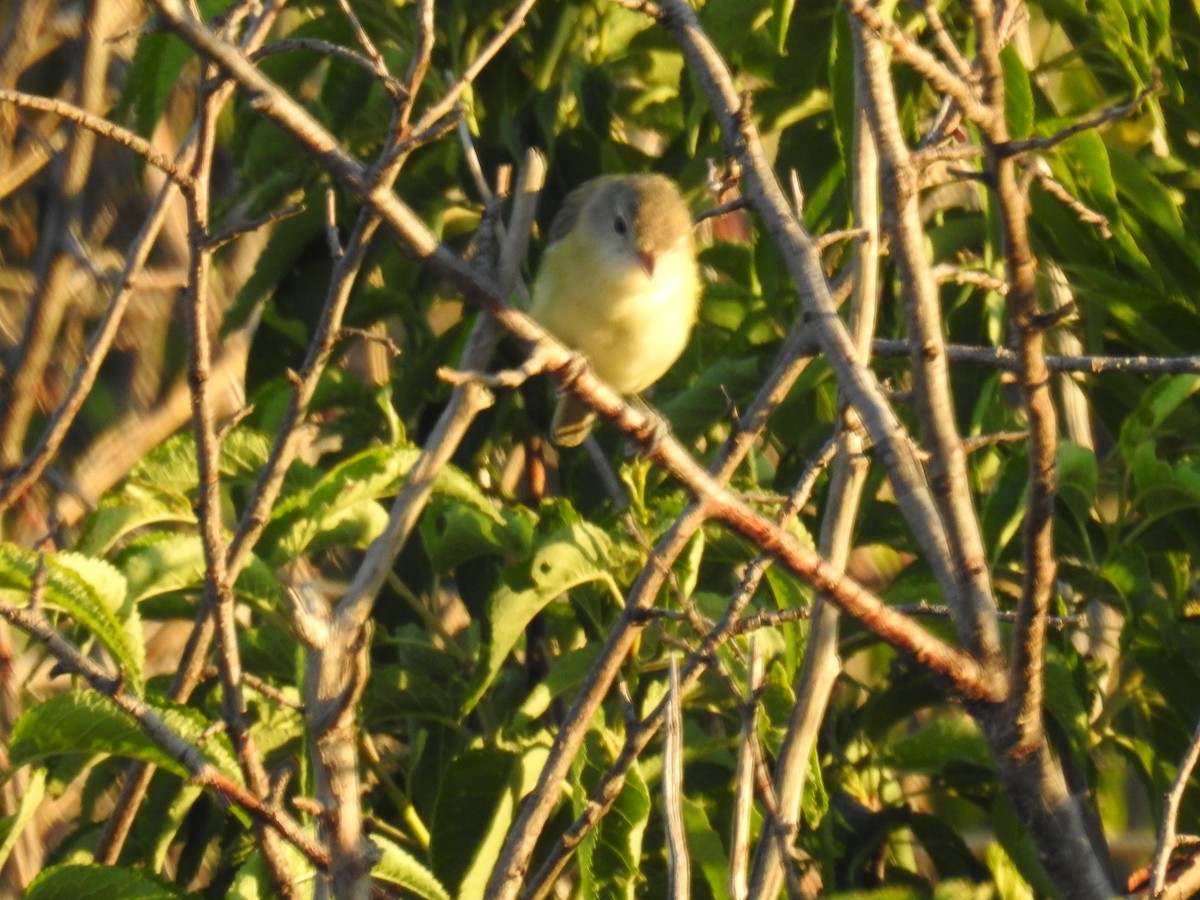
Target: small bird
{"x": 619, "y": 283}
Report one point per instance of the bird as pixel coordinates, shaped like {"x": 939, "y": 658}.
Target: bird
{"x": 618, "y": 283}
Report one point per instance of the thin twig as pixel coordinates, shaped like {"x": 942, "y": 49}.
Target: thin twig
{"x": 1085, "y": 214}
{"x": 189, "y": 671}
{"x": 943, "y": 80}
{"x": 218, "y": 589}
{"x": 1091, "y": 123}
{"x": 679, "y": 866}
{"x": 743, "y": 783}
{"x": 204, "y": 773}
{"x": 1171, "y": 800}
{"x": 330, "y": 49}
{"x": 954, "y": 56}
{"x": 418, "y": 65}
{"x": 1004, "y": 358}
{"x": 104, "y": 128}
{"x": 218, "y": 239}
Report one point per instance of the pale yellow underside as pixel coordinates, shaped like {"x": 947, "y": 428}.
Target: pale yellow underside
{"x": 631, "y": 327}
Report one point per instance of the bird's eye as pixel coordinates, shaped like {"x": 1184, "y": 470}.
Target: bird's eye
{"x": 619, "y": 225}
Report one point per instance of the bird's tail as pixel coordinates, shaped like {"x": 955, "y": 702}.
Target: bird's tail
{"x": 572, "y": 421}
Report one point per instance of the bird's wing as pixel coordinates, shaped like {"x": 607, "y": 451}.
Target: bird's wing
{"x": 568, "y": 213}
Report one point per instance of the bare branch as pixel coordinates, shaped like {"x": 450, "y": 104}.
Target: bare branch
{"x": 1091, "y": 123}
{"x": 329, "y": 49}
{"x": 1085, "y": 214}
{"x": 679, "y": 866}
{"x": 204, "y": 773}
{"x": 1166, "y": 830}
{"x": 104, "y": 128}
{"x": 923, "y": 62}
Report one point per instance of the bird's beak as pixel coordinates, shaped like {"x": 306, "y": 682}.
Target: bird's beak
{"x": 647, "y": 259}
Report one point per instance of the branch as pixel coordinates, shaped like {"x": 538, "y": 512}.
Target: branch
{"x": 1166, "y": 831}
{"x": 218, "y": 585}
{"x": 1034, "y": 783}
{"x": 972, "y": 594}
{"x": 847, "y": 480}
{"x": 923, "y": 63}
{"x": 48, "y": 445}
{"x": 678, "y": 862}
{"x": 412, "y": 232}
{"x": 1004, "y": 358}
{"x": 1091, "y": 123}
{"x": 1033, "y": 377}
{"x": 204, "y": 773}
{"x": 104, "y": 128}
{"x": 638, "y": 611}
{"x": 330, "y": 49}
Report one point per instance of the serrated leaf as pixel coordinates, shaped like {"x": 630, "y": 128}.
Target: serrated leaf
{"x": 79, "y": 882}
{"x": 171, "y": 466}
{"x": 87, "y": 722}
{"x": 90, "y": 591}
{"x": 610, "y": 854}
{"x": 397, "y": 866}
{"x": 350, "y": 488}
{"x": 167, "y": 562}
{"x": 161, "y": 563}
{"x": 136, "y": 506}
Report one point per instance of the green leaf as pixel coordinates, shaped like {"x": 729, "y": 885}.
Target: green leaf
{"x": 89, "y": 590}
{"x": 1004, "y": 506}
{"x": 1009, "y": 883}
{"x": 705, "y": 848}
{"x": 944, "y": 739}
{"x": 347, "y": 495}
{"x": 78, "y": 882}
{"x": 476, "y": 803}
{"x": 170, "y": 821}
{"x": 162, "y": 562}
{"x": 171, "y": 466}
{"x": 135, "y": 506}
{"x": 31, "y": 799}
{"x": 1078, "y": 476}
{"x": 286, "y": 243}
{"x": 87, "y": 722}
{"x": 1018, "y": 95}
{"x": 1158, "y": 402}
{"x": 1085, "y": 157}
{"x": 1019, "y": 848}
{"x": 397, "y": 866}
{"x": 566, "y": 672}
{"x": 579, "y": 554}
{"x": 610, "y": 854}
{"x": 253, "y": 879}
{"x": 454, "y": 533}
{"x": 780, "y": 20}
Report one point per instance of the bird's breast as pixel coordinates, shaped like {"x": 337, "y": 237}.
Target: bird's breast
{"x": 630, "y": 325}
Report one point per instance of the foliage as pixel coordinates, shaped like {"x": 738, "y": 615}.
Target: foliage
{"x": 494, "y": 613}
